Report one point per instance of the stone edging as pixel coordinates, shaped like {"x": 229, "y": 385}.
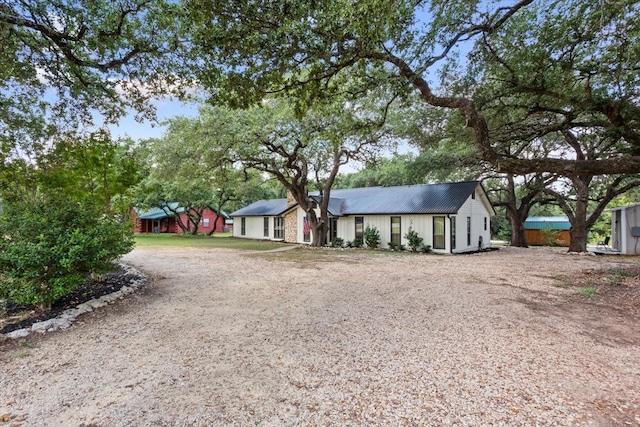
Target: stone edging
{"x": 67, "y": 317}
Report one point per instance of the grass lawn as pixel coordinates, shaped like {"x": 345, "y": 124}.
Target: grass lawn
{"x": 221, "y": 240}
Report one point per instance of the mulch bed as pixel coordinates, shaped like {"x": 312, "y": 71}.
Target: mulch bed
{"x": 16, "y": 316}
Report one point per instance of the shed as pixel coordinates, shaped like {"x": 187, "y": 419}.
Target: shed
{"x": 625, "y": 229}
{"x": 547, "y": 230}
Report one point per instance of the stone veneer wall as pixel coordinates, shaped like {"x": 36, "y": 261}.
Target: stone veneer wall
{"x": 291, "y": 221}
{"x": 291, "y": 226}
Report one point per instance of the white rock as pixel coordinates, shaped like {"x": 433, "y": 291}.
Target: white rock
{"x": 84, "y": 308}
{"x": 116, "y": 295}
{"x": 70, "y": 314}
{"x": 106, "y": 298}
{"x": 94, "y": 303}
{"x": 61, "y": 323}
{"x": 20, "y": 333}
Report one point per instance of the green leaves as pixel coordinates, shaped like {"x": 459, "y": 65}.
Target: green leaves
{"x": 48, "y": 248}
{"x": 67, "y": 63}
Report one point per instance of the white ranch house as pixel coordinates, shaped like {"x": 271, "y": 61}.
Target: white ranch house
{"x": 451, "y": 217}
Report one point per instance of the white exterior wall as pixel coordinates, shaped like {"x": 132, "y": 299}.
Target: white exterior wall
{"x": 622, "y": 221}
{"x": 423, "y": 225}
{"x": 254, "y": 227}
{"x": 477, "y": 210}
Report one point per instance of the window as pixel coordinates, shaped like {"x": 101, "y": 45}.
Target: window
{"x": 243, "y": 226}
{"x": 438, "y": 232}
{"x": 205, "y": 222}
{"x": 359, "y": 227}
{"x": 473, "y": 195}
{"x": 395, "y": 230}
{"x": 278, "y": 228}
{"x": 265, "y": 227}
{"x": 333, "y": 228}
{"x": 468, "y": 231}
{"x": 453, "y": 232}
{"x": 485, "y": 223}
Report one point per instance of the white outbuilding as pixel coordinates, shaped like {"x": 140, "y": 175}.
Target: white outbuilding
{"x": 625, "y": 229}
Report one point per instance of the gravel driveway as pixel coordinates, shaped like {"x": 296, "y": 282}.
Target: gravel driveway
{"x": 334, "y": 338}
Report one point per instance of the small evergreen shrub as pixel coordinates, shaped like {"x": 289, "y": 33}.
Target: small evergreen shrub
{"x": 413, "y": 239}
{"x": 337, "y": 242}
{"x": 425, "y": 248}
{"x": 357, "y": 242}
{"x": 372, "y": 237}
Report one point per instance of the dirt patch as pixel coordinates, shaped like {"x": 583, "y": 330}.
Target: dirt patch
{"x": 221, "y": 338}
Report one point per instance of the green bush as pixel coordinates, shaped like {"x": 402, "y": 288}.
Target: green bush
{"x": 425, "y": 248}
{"x": 48, "y": 248}
{"x": 357, "y": 242}
{"x": 372, "y": 237}
{"x": 337, "y": 242}
{"x": 413, "y": 239}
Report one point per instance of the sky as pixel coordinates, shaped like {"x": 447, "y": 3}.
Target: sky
{"x": 166, "y": 108}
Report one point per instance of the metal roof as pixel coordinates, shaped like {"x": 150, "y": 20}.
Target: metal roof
{"x": 409, "y": 199}
{"x": 547, "y": 223}
{"x": 159, "y": 213}
{"x": 273, "y": 207}
{"x": 622, "y": 208}
{"x": 165, "y": 212}
{"x": 445, "y": 198}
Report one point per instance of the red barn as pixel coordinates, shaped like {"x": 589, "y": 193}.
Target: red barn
{"x": 163, "y": 220}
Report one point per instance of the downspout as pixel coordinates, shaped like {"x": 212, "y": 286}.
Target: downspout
{"x": 450, "y": 248}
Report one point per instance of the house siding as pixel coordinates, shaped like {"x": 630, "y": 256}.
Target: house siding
{"x": 624, "y": 223}
{"x": 254, "y": 227}
{"x": 169, "y": 224}
{"x": 477, "y": 208}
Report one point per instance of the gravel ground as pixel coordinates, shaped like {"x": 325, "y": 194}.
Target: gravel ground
{"x": 335, "y": 338}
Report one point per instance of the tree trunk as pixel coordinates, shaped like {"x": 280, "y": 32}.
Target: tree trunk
{"x": 215, "y": 225}
{"x": 516, "y": 216}
{"x": 518, "y": 235}
{"x": 318, "y": 233}
{"x": 578, "y": 235}
{"x": 579, "y": 229}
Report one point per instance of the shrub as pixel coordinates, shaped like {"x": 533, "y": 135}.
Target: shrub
{"x": 47, "y": 249}
{"x": 413, "y": 239}
{"x": 425, "y": 248}
{"x": 357, "y": 242}
{"x": 337, "y": 242}
{"x": 372, "y": 237}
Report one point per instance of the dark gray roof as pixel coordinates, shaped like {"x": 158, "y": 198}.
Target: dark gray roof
{"x": 409, "y": 199}
{"x": 263, "y": 208}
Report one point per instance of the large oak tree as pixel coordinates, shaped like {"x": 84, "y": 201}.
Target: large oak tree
{"x": 582, "y": 57}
